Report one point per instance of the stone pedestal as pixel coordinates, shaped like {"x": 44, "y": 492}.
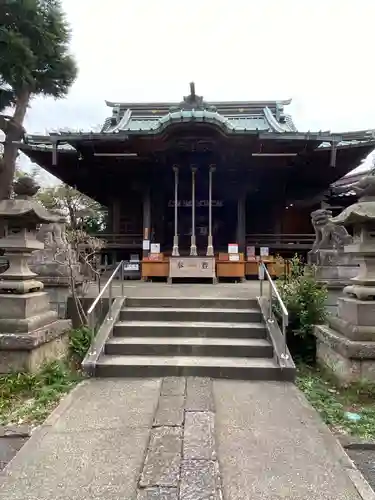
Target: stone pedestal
{"x": 333, "y": 269}
{"x": 30, "y": 333}
{"x": 349, "y": 361}
{"x": 347, "y": 344}
{"x": 51, "y": 266}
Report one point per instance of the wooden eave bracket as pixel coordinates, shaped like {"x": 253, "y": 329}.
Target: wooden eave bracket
{"x": 54, "y": 151}
{"x": 333, "y": 154}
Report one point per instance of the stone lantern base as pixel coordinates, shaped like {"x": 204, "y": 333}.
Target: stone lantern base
{"x": 347, "y": 344}
{"x": 30, "y": 333}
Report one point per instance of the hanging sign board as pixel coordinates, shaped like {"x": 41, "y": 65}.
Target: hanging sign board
{"x": 192, "y": 267}
{"x": 146, "y": 245}
{"x": 264, "y": 251}
{"x": 232, "y": 248}
{"x": 155, "y": 247}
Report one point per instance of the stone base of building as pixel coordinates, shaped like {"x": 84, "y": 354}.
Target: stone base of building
{"x": 28, "y": 352}
{"x": 349, "y": 361}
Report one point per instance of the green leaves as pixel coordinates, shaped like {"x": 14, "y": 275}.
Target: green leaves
{"x": 79, "y": 342}
{"x": 304, "y": 298}
{"x": 28, "y": 397}
{"x": 34, "y": 59}
{"x": 82, "y": 211}
{"x": 34, "y": 41}
{"x": 332, "y": 402}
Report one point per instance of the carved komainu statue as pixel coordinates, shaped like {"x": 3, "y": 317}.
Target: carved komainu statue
{"x": 328, "y": 236}
{"x": 53, "y": 234}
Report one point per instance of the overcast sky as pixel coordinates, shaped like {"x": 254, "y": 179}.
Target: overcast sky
{"x": 319, "y": 53}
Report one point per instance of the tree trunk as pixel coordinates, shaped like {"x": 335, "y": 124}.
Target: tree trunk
{"x": 13, "y": 133}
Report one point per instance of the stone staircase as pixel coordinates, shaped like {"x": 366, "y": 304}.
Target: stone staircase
{"x": 210, "y": 337}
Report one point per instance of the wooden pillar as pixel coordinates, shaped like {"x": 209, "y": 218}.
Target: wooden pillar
{"x": 116, "y": 213}
{"x": 175, "y": 250}
{"x": 210, "y": 246}
{"x": 278, "y": 218}
{"x": 241, "y": 223}
{"x": 193, "y": 245}
{"x": 146, "y": 218}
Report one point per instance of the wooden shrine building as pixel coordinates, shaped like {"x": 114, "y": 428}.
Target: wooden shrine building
{"x": 196, "y": 176}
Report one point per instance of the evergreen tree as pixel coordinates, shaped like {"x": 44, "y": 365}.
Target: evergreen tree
{"x": 34, "y": 60}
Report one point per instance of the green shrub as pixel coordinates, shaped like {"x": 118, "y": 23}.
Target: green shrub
{"x": 79, "y": 342}
{"x": 305, "y": 300}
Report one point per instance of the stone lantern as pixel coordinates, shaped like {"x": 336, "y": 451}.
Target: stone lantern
{"x": 22, "y": 217}
{"x": 361, "y": 216}
{"x": 29, "y": 330}
{"x": 347, "y": 344}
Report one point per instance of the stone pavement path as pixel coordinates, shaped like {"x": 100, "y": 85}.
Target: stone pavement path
{"x": 180, "y": 439}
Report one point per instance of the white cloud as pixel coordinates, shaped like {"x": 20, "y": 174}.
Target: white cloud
{"x": 317, "y": 52}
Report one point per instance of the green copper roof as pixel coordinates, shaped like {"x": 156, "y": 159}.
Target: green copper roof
{"x": 231, "y": 116}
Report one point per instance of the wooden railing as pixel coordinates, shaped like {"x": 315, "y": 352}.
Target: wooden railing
{"x": 281, "y": 241}
{"x": 275, "y": 241}
{"x": 113, "y": 240}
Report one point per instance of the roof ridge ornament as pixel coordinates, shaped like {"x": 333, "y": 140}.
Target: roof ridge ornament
{"x": 193, "y": 101}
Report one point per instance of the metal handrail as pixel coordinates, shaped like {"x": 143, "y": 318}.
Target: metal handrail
{"x": 108, "y": 286}
{"x": 263, "y": 271}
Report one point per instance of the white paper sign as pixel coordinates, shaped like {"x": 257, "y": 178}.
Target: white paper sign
{"x": 264, "y": 251}
{"x": 250, "y": 251}
{"x": 234, "y": 257}
{"x": 260, "y": 272}
{"x": 232, "y": 248}
{"x": 131, "y": 266}
{"x": 146, "y": 245}
{"x": 155, "y": 247}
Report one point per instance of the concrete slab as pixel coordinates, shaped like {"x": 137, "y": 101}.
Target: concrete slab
{"x": 100, "y": 443}
{"x": 271, "y": 444}
{"x": 114, "y": 404}
{"x": 92, "y": 447}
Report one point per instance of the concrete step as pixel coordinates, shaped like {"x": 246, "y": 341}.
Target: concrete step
{"x": 199, "y": 366}
{"x": 188, "y": 329}
{"x": 190, "y": 314}
{"x": 189, "y": 346}
{"x": 192, "y": 302}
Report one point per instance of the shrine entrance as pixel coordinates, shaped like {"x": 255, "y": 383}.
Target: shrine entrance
{"x": 193, "y": 223}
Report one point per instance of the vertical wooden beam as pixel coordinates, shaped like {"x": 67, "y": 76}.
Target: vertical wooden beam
{"x": 146, "y": 217}
{"x": 193, "y": 245}
{"x": 241, "y": 222}
{"x": 175, "y": 250}
{"x": 210, "y": 246}
{"x": 116, "y": 213}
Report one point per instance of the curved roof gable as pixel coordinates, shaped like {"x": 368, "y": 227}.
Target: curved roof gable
{"x": 229, "y": 116}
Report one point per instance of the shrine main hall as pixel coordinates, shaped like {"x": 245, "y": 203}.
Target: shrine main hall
{"x": 203, "y": 179}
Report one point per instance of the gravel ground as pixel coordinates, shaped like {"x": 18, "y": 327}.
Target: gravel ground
{"x": 9, "y": 446}
{"x": 365, "y": 461}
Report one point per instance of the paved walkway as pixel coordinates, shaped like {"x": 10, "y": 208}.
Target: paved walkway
{"x": 173, "y": 439}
